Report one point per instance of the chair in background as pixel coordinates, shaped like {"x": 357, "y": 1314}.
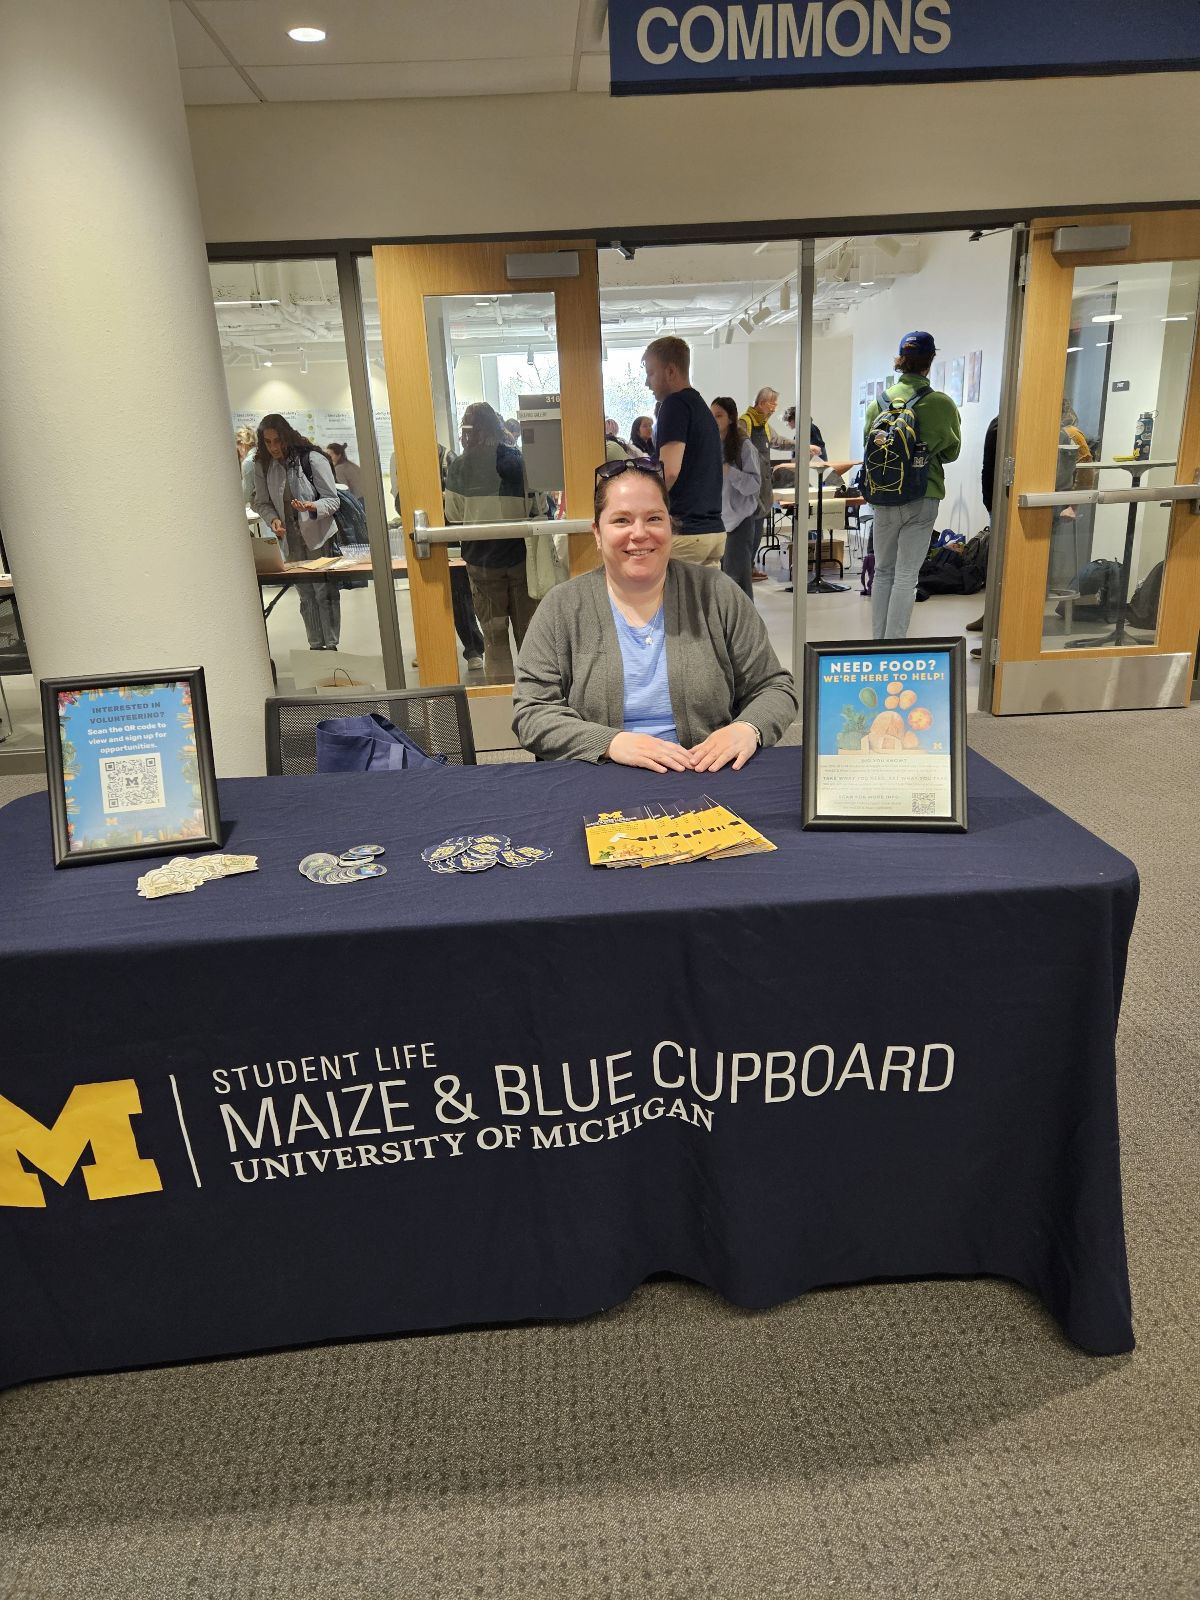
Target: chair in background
{"x": 14, "y": 657}
{"x": 438, "y": 719}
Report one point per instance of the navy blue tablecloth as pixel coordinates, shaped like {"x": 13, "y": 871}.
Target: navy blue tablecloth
{"x": 268, "y": 1112}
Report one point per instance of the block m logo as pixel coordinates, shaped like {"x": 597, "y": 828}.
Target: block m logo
{"x": 96, "y": 1114}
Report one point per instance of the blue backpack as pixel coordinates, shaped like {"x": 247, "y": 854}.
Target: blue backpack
{"x": 895, "y": 467}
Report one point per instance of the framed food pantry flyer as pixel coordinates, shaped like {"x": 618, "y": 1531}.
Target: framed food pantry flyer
{"x": 885, "y": 734}
{"x": 129, "y": 766}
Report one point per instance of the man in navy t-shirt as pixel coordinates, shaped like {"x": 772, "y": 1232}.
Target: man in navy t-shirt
{"x": 689, "y": 446}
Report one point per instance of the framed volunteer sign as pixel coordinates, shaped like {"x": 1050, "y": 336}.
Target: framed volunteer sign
{"x": 129, "y": 766}
{"x": 885, "y": 734}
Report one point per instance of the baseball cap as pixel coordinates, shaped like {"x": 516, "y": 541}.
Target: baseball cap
{"x": 922, "y": 343}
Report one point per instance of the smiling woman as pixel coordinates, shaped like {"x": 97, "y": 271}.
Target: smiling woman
{"x": 648, "y": 662}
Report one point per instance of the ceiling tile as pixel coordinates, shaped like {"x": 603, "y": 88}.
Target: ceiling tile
{"x": 398, "y": 80}
{"x": 214, "y": 86}
{"x": 593, "y": 74}
{"x": 192, "y": 45}
{"x": 256, "y": 31}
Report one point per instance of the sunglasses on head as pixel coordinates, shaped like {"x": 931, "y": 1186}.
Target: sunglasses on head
{"x": 614, "y": 469}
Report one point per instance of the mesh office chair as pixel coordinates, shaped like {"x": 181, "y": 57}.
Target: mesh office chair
{"x": 438, "y": 719}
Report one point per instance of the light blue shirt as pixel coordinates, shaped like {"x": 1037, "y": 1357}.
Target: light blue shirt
{"x": 644, "y": 658}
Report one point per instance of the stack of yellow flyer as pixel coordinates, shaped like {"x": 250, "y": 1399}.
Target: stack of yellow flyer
{"x": 668, "y": 835}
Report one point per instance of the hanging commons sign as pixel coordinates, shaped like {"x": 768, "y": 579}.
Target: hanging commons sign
{"x": 678, "y": 47}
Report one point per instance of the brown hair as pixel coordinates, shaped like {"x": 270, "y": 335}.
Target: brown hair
{"x": 635, "y": 437}
{"x": 485, "y": 423}
{"x": 734, "y": 434}
{"x": 603, "y": 485}
{"x": 672, "y": 352}
{"x": 292, "y": 441}
{"x": 913, "y": 361}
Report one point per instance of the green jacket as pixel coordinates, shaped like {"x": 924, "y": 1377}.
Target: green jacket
{"x": 939, "y": 421}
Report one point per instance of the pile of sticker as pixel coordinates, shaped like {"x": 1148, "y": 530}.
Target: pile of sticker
{"x": 352, "y": 866}
{"x": 476, "y": 852}
{"x": 183, "y": 874}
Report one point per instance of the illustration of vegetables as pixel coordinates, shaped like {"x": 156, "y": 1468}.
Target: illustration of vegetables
{"x": 908, "y": 699}
{"x": 891, "y": 702}
{"x": 921, "y": 718}
{"x": 868, "y": 697}
{"x": 895, "y": 688}
{"x": 854, "y": 725}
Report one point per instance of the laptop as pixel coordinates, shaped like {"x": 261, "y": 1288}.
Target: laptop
{"x": 268, "y": 557}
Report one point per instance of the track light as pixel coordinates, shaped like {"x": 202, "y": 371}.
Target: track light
{"x": 304, "y": 361}
{"x": 625, "y": 251}
{"x": 745, "y": 325}
{"x": 785, "y": 296}
{"x": 761, "y": 314}
{"x": 729, "y": 333}
{"x": 529, "y": 361}
{"x": 716, "y": 339}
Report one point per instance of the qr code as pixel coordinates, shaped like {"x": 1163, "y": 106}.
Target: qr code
{"x": 924, "y": 803}
{"x": 132, "y": 783}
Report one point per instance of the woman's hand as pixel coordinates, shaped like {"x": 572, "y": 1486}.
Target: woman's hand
{"x": 303, "y": 505}
{"x": 644, "y": 750}
{"x": 736, "y": 743}
{"x": 278, "y": 528}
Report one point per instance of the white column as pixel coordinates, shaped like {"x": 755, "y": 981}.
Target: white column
{"x": 119, "y": 491}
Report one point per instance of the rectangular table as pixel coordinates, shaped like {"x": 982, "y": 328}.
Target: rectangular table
{"x": 269, "y": 1113}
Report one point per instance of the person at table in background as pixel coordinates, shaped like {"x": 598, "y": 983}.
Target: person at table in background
{"x": 816, "y": 444}
{"x": 740, "y": 491}
{"x": 296, "y": 496}
{"x": 466, "y": 623}
{"x": 902, "y": 532}
{"x": 612, "y": 435}
{"x": 648, "y": 661}
{"x": 641, "y": 435}
{"x": 246, "y": 440}
{"x": 487, "y": 484}
{"x": 689, "y": 449}
{"x": 756, "y": 420}
{"x": 347, "y": 472}
{"x": 1071, "y": 526}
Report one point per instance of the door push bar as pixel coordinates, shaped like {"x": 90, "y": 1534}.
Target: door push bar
{"x": 424, "y": 537}
{"x": 1114, "y": 497}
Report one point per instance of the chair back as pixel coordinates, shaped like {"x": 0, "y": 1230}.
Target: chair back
{"x": 438, "y": 719}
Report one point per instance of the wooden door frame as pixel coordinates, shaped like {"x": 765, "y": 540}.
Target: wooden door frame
{"x": 1154, "y": 236}
{"x": 405, "y": 276}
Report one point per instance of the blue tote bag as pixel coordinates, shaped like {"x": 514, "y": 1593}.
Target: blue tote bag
{"x": 368, "y": 744}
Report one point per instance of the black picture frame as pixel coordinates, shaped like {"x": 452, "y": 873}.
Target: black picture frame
{"x": 190, "y": 767}
{"x": 905, "y": 656}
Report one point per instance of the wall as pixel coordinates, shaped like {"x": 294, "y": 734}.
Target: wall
{"x": 960, "y": 295}
{"x": 408, "y": 169}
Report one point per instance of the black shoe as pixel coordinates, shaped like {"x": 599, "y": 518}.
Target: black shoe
{"x": 976, "y": 626}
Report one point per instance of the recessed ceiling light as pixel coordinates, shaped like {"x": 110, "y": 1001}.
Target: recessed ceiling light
{"x": 306, "y": 35}
{"x": 267, "y": 363}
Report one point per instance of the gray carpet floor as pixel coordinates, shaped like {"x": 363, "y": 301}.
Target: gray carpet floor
{"x": 931, "y": 1440}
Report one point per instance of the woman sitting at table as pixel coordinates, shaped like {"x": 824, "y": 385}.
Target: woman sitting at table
{"x": 648, "y": 662}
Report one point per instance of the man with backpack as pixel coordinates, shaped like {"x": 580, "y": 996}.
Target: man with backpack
{"x": 907, "y": 441}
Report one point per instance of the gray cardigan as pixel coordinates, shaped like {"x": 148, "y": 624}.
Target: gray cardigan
{"x": 569, "y": 695}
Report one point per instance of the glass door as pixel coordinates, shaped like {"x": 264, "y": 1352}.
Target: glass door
{"x": 496, "y": 401}
{"x": 1100, "y": 604}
